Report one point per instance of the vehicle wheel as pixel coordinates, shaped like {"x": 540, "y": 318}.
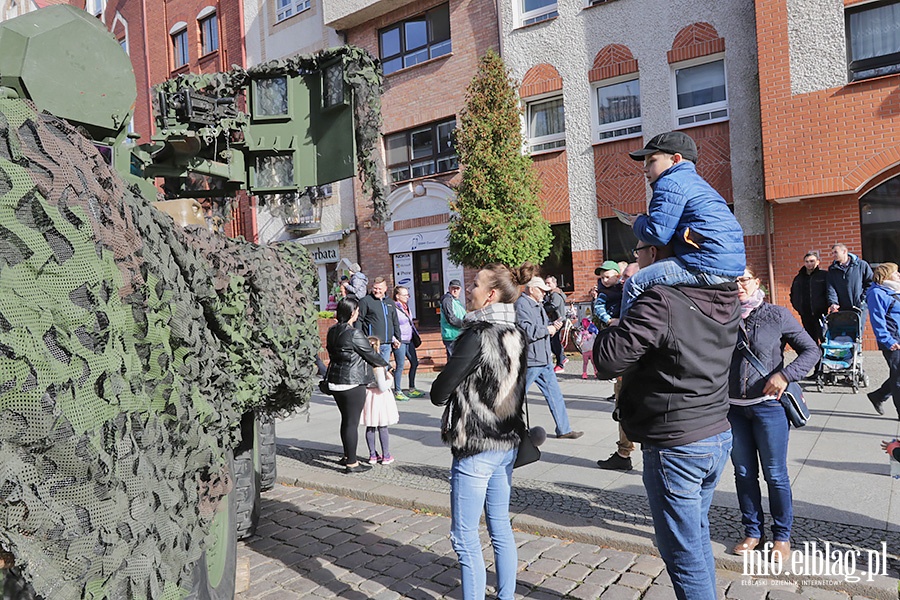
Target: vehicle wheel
{"x": 246, "y": 480}
{"x": 15, "y": 587}
{"x": 213, "y": 575}
{"x": 266, "y": 451}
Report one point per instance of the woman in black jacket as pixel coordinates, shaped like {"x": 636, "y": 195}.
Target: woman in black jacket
{"x": 351, "y": 359}
{"x": 759, "y": 423}
{"x": 483, "y": 388}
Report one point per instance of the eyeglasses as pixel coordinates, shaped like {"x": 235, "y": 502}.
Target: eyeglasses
{"x": 637, "y": 249}
{"x": 744, "y": 280}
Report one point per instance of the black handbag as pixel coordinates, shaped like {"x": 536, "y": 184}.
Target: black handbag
{"x": 416, "y": 339}
{"x": 528, "y": 451}
{"x": 323, "y": 383}
{"x": 791, "y": 398}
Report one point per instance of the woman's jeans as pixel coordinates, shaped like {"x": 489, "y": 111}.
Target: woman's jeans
{"x": 350, "y": 403}
{"x": 761, "y": 437}
{"x": 406, "y": 350}
{"x": 891, "y": 385}
{"x": 680, "y": 482}
{"x": 482, "y": 482}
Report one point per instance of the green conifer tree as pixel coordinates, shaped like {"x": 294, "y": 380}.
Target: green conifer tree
{"x": 498, "y": 212}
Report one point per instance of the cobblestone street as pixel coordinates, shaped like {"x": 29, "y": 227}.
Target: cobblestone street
{"x": 313, "y": 544}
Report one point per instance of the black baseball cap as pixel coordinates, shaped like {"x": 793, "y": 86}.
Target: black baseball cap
{"x": 454, "y": 283}
{"x": 671, "y": 142}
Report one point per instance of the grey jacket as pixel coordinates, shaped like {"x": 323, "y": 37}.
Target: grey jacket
{"x": 847, "y": 284}
{"x": 533, "y": 321}
{"x": 769, "y": 327}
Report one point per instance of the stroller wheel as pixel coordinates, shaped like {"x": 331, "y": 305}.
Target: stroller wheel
{"x": 864, "y": 380}
{"x": 820, "y": 384}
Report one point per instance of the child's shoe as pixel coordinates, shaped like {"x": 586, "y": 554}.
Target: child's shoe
{"x": 414, "y": 393}
{"x": 558, "y": 369}
{"x": 388, "y": 459}
{"x": 374, "y": 459}
{"x": 584, "y": 375}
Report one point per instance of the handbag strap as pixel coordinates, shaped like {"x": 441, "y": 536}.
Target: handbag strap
{"x": 744, "y": 347}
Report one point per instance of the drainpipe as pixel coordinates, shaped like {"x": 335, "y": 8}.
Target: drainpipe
{"x": 770, "y": 214}
{"x": 147, "y": 65}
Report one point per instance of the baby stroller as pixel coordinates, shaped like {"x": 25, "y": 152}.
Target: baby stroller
{"x": 842, "y": 351}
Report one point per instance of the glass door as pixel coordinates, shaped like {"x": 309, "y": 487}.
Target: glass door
{"x": 429, "y": 287}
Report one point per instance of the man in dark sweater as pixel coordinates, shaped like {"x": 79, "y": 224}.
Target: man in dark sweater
{"x": 809, "y": 296}
{"x": 378, "y": 317}
{"x": 673, "y": 349}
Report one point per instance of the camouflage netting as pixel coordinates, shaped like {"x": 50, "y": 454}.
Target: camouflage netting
{"x": 128, "y": 350}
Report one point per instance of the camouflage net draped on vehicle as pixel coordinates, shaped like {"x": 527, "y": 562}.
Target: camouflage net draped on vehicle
{"x": 128, "y": 350}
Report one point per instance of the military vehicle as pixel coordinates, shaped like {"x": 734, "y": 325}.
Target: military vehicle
{"x": 142, "y": 362}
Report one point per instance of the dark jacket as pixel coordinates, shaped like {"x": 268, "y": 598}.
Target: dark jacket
{"x": 555, "y": 305}
{"x": 533, "y": 321}
{"x": 848, "y": 284}
{"x": 483, "y": 387}
{"x": 673, "y": 351}
{"x": 350, "y": 356}
{"x": 809, "y": 295}
{"x": 608, "y": 304}
{"x": 682, "y": 200}
{"x": 769, "y": 327}
{"x": 378, "y": 318}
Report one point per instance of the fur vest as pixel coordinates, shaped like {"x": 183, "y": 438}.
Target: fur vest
{"x": 483, "y": 387}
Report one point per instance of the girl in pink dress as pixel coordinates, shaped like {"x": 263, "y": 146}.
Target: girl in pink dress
{"x": 379, "y": 411}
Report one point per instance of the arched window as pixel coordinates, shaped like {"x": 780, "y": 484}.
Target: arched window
{"x": 879, "y": 219}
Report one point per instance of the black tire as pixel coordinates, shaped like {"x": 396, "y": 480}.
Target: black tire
{"x": 15, "y": 587}
{"x": 213, "y": 576}
{"x": 266, "y": 451}
{"x": 246, "y": 480}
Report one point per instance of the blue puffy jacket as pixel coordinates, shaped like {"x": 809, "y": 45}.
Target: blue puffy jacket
{"x": 884, "y": 314}
{"x": 689, "y": 212}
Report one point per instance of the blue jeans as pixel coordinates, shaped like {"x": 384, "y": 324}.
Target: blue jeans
{"x": 668, "y": 271}
{"x": 400, "y": 361}
{"x": 549, "y": 386}
{"x": 385, "y": 351}
{"x": 761, "y": 437}
{"x": 482, "y": 483}
{"x": 680, "y": 482}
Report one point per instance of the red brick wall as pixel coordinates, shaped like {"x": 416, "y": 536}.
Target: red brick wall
{"x": 553, "y": 172}
{"x": 540, "y": 79}
{"x": 583, "y": 264}
{"x": 694, "y": 41}
{"x": 620, "y": 180}
{"x": 422, "y": 94}
{"x": 612, "y": 60}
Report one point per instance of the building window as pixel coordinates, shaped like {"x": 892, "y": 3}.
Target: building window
{"x": 285, "y": 9}
{"x": 333, "y": 85}
{"x": 95, "y": 7}
{"x": 700, "y": 92}
{"x": 879, "y": 212}
{"x": 618, "y": 109}
{"x": 415, "y": 40}
{"x": 618, "y": 240}
{"x": 209, "y": 33}
{"x": 873, "y": 40}
{"x": 421, "y": 151}
{"x": 559, "y": 262}
{"x": 180, "y": 46}
{"x": 535, "y": 11}
{"x": 546, "y": 125}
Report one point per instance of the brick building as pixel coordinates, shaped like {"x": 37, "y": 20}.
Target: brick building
{"x": 430, "y": 51}
{"x": 598, "y": 79}
{"x": 830, "y": 124}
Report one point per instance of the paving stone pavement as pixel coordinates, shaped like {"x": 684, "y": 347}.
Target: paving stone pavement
{"x": 313, "y": 544}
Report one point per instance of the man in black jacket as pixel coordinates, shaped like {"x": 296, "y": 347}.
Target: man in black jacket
{"x": 378, "y": 317}
{"x": 673, "y": 350}
{"x": 809, "y": 296}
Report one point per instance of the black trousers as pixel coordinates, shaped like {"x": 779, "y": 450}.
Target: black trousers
{"x": 350, "y": 403}
{"x": 813, "y": 326}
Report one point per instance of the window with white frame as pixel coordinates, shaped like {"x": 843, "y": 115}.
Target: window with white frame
{"x": 415, "y": 40}
{"x": 873, "y": 39}
{"x": 700, "y": 91}
{"x": 180, "y": 47}
{"x": 421, "y": 151}
{"x": 546, "y": 124}
{"x": 285, "y": 9}
{"x": 535, "y": 11}
{"x": 209, "y": 33}
{"x": 618, "y": 108}
{"x": 95, "y": 7}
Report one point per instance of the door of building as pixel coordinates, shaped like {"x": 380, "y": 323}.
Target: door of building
{"x": 429, "y": 279}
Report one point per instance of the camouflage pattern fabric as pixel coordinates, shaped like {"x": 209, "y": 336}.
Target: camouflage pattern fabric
{"x": 128, "y": 350}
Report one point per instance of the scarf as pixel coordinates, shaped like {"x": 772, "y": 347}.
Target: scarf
{"x": 494, "y": 313}
{"x": 892, "y": 285}
{"x": 751, "y": 303}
